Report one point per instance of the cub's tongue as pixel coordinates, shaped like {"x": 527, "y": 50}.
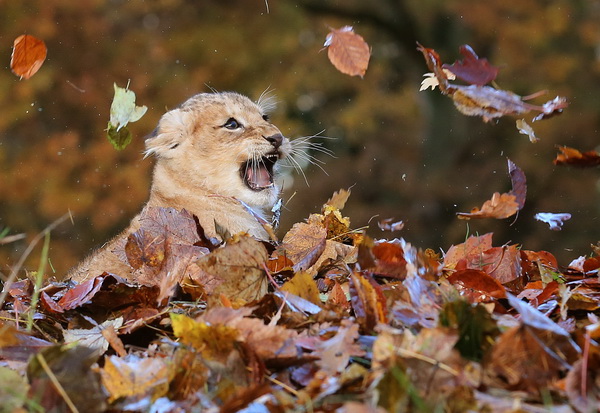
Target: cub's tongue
{"x": 258, "y": 177}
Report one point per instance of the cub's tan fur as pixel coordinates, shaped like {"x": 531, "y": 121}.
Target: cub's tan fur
{"x": 211, "y": 154}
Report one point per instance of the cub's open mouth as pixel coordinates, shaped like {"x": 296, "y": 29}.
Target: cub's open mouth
{"x": 257, "y": 173}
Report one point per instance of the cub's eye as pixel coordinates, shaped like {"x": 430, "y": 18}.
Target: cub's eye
{"x": 266, "y": 117}
{"x": 232, "y": 124}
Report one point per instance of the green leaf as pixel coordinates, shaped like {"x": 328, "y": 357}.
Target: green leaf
{"x": 119, "y": 138}
{"x": 122, "y": 111}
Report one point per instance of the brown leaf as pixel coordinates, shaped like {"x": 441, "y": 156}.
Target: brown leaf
{"x": 348, "y": 51}
{"x": 338, "y": 199}
{"x": 519, "y": 183}
{"x": 390, "y": 260}
{"x": 28, "y": 55}
{"x": 239, "y": 265}
{"x": 500, "y": 206}
{"x": 304, "y": 244}
{"x": 473, "y": 247}
{"x": 389, "y": 224}
{"x": 502, "y": 263}
{"x": 335, "y": 353}
{"x": 367, "y": 302}
{"x": 144, "y": 248}
{"x": 473, "y": 70}
{"x": 570, "y": 156}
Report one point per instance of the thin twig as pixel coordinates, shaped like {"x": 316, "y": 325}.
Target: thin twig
{"x": 13, "y": 274}
{"x": 57, "y": 385}
{"x": 39, "y": 279}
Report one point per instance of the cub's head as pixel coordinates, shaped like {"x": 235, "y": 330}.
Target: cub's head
{"x": 221, "y": 143}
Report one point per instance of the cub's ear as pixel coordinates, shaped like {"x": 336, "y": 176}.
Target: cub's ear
{"x": 172, "y": 130}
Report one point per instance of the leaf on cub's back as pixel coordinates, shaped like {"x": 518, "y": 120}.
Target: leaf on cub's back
{"x": 122, "y": 111}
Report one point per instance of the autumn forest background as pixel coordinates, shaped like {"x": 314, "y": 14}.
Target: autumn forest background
{"x": 406, "y": 154}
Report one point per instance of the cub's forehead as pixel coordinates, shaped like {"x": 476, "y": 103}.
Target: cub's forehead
{"x": 224, "y": 103}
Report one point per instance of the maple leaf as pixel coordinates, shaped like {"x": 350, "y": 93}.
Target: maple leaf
{"x": 122, "y": 111}
{"x": 473, "y": 70}
{"x": 28, "y": 55}
{"x": 555, "y": 221}
{"x": 570, "y": 156}
{"x": 348, "y": 51}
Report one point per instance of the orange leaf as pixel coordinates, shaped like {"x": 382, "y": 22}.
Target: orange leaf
{"x": 480, "y": 282}
{"x": 28, "y": 55}
{"x": 570, "y": 156}
{"x": 348, "y": 51}
{"x": 500, "y": 206}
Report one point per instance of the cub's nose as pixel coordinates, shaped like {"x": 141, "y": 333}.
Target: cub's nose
{"x": 275, "y": 140}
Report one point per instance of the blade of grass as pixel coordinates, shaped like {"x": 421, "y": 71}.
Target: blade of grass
{"x": 15, "y": 270}
{"x": 59, "y": 388}
{"x": 39, "y": 279}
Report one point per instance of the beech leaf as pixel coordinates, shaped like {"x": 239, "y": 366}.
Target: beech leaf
{"x": 348, "y": 51}
{"x": 28, "y": 55}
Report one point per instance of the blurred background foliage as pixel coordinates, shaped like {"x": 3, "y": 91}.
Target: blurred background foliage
{"x": 406, "y": 154}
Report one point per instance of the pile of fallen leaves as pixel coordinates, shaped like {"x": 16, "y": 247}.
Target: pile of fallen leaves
{"x": 328, "y": 319}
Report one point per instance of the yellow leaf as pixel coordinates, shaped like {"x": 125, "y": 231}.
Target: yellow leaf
{"x": 133, "y": 376}
{"x": 303, "y": 285}
{"x": 213, "y": 341}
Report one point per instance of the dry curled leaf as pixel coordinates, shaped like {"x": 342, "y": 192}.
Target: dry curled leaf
{"x": 500, "y": 206}
{"x": 525, "y": 129}
{"x": 28, "y": 55}
{"x": 485, "y": 101}
{"x": 570, "y": 156}
{"x": 348, "y": 51}
{"x": 472, "y": 69}
{"x": 555, "y": 221}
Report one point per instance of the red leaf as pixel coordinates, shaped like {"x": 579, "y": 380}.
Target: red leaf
{"x": 28, "y": 55}
{"x": 472, "y": 69}
{"x": 480, "y": 282}
{"x": 348, "y": 51}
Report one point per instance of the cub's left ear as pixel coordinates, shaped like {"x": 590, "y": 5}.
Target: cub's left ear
{"x": 170, "y": 133}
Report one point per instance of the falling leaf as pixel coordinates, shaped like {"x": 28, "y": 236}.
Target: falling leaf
{"x": 473, "y": 69}
{"x": 432, "y": 82}
{"x": 348, "y": 51}
{"x": 338, "y": 199}
{"x": 570, "y": 156}
{"x": 485, "y": 101}
{"x": 524, "y": 129}
{"x": 28, "y": 55}
{"x": 122, "y": 111}
{"x": 499, "y": 207}
{"x": 555, "y": 221}
{"x": 388, "y": 224}
{"x": 519, "y": 183}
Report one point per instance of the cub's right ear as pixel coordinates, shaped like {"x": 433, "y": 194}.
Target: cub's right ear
{"x": 172, "y": 130}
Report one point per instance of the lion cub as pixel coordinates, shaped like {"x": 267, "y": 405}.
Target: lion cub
{"x": 212, "y": 152}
